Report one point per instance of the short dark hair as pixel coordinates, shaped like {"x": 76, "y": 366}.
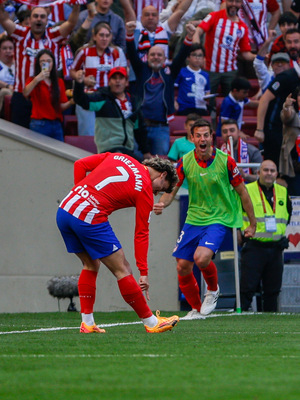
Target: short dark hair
{"x": 196, "y": 46}
{"x": 291, "y": 31}
{"x": 192, "y": 117}
{"x": 200, "y": 123}
{"x": 240, "y": 83}
{"x": 6, "y": 38}
{"x": 229, "y": 121}
{"x": 22, "y": 15}
{"x": 287, "y": 17}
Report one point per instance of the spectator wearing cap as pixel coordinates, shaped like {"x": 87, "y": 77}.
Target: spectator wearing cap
{"x": 96, "y": 60}
{"x": 279, "y": 62}
{"x": 119, "y": 122}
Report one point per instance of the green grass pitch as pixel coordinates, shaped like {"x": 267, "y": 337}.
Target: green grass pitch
{"x": 225, "y": 357}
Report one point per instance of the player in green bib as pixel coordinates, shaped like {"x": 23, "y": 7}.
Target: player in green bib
{"x": 216, "y": 191}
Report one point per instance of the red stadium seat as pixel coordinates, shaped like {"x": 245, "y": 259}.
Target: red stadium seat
{"x": 177, "y": 123}
{"x": 70, "y": 125}
{"x": 7, "y": 108}
{"x": 83, "y": 142}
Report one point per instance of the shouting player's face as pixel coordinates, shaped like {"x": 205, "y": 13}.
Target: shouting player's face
{"x": 202, "y": 139}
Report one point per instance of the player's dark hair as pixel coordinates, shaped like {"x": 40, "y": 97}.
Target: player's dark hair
{"x": 240, "y": 83}
{"x": 164, "y": 165}
{"x": 200, "y": 123}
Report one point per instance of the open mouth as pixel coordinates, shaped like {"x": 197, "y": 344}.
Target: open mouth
{"x": 203, "y": 146}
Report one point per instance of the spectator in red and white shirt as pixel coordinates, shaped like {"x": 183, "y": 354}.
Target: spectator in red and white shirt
{"x": 225, "y": 35}
{"x": 258, "y": 11}
{"x": 96, "y": 61}
{"x": 28, "y": 41}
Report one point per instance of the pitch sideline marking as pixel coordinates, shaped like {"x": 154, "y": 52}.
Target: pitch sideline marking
{"x": 138, "y": 322}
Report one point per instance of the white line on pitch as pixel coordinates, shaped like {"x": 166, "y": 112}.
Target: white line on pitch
{"x": 139, "y": 322}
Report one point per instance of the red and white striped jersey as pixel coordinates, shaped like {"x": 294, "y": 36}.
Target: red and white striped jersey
{"x": 57, "y": 12}
{"x": 260, "y": 10}
{"x": 138, "y": 6}
{"x": 26, "y": 49}
{"x": 66, "y": 60}
{"x": 223, "y": 40}
{"x": 115, "y": 181}
{"x": 99, "y": 66}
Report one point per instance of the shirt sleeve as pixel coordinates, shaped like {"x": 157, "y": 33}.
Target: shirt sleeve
{"x": 244, "y": 43}
{"x": 87, "y": 164}
{"x": 78, "y": 60}
{"x": 235, "y": 177}
{"x": 272, "y": 5}
{"x": 180, "y": 172}
{"x": 144, "y": 208}
{"x": 208, "y": 22}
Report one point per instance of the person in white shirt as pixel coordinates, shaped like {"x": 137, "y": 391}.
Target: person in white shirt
{"x": 7, "y": 68}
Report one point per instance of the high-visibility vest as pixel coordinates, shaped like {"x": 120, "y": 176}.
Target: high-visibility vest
{"x": 281, "y": 212}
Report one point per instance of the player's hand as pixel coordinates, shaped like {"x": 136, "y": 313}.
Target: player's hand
{"x": 144, "y": 285}
{"x": 250, "y": 231}
{"x": 130, "y": 27}
{"x": 158, "y": 208}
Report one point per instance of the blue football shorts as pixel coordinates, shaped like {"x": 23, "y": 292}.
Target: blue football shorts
{"x": 97, "y": 240}
{"x": 192, "y": 236}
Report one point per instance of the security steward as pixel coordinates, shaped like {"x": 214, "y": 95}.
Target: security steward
{"x": 262, "y": 256}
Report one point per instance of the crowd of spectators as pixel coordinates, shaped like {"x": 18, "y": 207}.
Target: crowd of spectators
{"x": 180, "y": 57}
{"x": 125, "y": 69}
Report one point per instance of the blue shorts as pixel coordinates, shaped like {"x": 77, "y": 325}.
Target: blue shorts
{"x": 97, "y": 240}
{"x": 191, "y": 236}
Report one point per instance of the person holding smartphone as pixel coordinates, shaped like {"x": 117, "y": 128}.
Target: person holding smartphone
{"x": 48, "y": 97}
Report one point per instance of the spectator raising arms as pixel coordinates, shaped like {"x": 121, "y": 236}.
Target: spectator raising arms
{"x": 225, "y": 35}
{"x": 29, "y": 40}
{"x": 96, "y": 60}
{"x": 105, "y": 14}
{"x": 47, "y": 94}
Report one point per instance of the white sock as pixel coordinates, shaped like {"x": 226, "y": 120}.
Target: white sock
{"x": 151, "y": 321}
{"x": 88, "y": 319}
